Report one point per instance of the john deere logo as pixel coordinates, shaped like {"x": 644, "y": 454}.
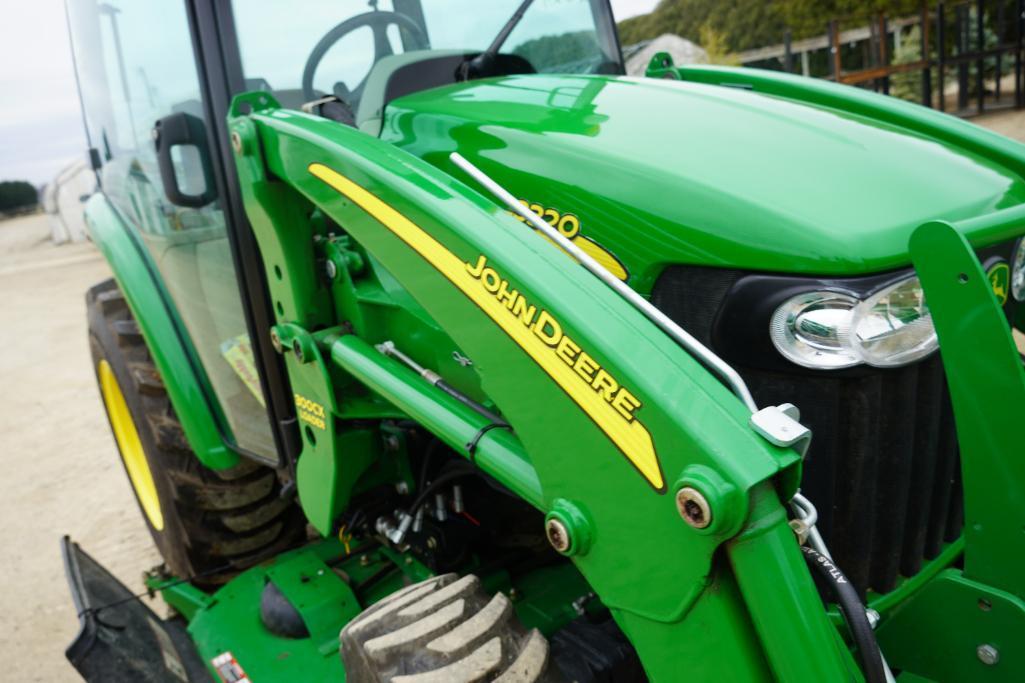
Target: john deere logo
{"x": 999, "y": 280}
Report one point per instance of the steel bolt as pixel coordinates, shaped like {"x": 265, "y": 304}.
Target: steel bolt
{"x": 330, "y": 269}
{"x": 458, "y": 506}
{"x": 364, "y": 560}
{"x": 693, "y": 507}
{"x": 988, "y": 654}
{"x": 275, "y": 341}
{"x": 558, "y": 535}
{"x": 418, "y": 520}
{"x": 236, "y": 142}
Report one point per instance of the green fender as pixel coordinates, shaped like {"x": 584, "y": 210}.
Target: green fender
{"x": 143, "y": 289}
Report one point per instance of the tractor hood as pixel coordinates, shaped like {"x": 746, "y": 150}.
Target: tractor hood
{"x": 662, "y": 171}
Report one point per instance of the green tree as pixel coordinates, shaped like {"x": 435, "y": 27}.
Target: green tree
{"x": 17, "y": 194}
{"x": 747, "y": 24}
{"x": 811, "y": 17}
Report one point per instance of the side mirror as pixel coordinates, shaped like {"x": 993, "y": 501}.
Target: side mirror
{"x": 183, "y": 157}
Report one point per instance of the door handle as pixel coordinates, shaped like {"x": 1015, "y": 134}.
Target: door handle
{"x": 184, "y": 130}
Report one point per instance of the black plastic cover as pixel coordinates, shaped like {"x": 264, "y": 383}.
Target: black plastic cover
{"x": 126, "y": 641}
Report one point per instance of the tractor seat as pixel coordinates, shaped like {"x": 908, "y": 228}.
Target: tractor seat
{"x": 398, "y": 75}
{"x": 410, "y": 72}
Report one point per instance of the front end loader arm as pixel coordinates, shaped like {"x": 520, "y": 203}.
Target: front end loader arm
{"x": 610, "y": 418}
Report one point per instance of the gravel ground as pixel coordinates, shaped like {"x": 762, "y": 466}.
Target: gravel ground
{"x": 1009, "y": 123}
{"x": 62, "y": 474}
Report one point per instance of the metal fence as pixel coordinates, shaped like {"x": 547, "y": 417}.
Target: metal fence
{"x": 962, "y": 57}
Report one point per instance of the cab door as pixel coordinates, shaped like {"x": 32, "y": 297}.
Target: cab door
{"x": 150, "y": 121}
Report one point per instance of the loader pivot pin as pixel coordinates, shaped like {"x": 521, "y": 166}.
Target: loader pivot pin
{"x": 558, "y": 535}
{"x": 693, "y": 507}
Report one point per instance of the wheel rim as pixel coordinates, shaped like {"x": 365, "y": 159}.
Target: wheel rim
{"x": 130, "y": 446}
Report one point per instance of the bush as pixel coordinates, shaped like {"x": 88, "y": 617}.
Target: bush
{"x": 17, "y": 195}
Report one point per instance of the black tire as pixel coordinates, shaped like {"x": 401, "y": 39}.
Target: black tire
{"x": 444, "y": 630}
{"x": 214, "y": 522}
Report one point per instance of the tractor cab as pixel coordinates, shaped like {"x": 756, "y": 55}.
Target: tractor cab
{"x": 376, "y": 52}
{"x": 155, "y": 105}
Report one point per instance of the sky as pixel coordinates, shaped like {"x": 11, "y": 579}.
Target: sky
{"x": 40, "y": 119}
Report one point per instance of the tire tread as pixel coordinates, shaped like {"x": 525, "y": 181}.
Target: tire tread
{"x": 218, "y": 521}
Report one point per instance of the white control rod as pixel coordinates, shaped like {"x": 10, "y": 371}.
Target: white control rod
{"x": 681, "y": 336}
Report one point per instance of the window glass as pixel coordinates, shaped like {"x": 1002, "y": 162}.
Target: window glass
{"x": 558, "y": 36}
{"x": 552, "y": 35}
{"x": 135, "y": 66}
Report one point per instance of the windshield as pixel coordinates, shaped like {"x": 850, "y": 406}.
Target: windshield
{"x": 349, "y": 48}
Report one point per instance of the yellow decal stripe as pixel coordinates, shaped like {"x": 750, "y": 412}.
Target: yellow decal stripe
{"x": 602, "y": 255}
{"x": 631, "y": 437}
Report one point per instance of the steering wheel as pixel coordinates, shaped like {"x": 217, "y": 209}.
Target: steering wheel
{"x": 378, "y": 21}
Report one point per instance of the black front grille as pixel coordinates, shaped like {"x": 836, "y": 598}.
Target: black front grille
{"x": 883, "y": 467}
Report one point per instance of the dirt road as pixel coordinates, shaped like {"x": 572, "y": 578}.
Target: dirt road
{"x": 61, "y": 474}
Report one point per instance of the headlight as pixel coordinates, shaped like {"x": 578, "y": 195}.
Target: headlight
{"x": 813, "y": 330}
{"x": 1018, "y": 272}
{"x": 894, "y": 326}
{"x": 829, "y": 330}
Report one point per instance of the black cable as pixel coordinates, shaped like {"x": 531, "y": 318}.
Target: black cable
{"x": 149, "y": 592}
{"x": 854, "y": 612}
{"x": 467, "y": 401}
{"x": 425, "y": 465}
{"x": 461, "y": 470}
{"x": 471, "y": 446}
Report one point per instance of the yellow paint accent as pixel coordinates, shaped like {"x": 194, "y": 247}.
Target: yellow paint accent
{"x": 310, "y": 412}
{"x": 130, "y": 446}
{"x": 604, "y": 258}
{"x": 1000, "y": 280}
{"x": 602, "y": 255}
{"x": 569, "y": 225}
{"x": 631, "y": 437}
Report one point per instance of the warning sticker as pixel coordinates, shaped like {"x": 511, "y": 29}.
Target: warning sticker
{"x": 239, "y": 354}
{"x": 228, "y": 669}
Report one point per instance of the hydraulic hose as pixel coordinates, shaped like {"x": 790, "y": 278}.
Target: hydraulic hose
{"x": 854, "y": 613}
{"x": 466, "y": 470}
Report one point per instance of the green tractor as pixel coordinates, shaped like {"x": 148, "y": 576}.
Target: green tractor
{"x": 438, "y": 349}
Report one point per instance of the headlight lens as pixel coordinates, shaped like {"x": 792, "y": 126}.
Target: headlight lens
{"x": 813, "y": 330}
{"x": 894, "y": 327}
{"x": 1018, "y": 272}
{"x": 830, "y": 330}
